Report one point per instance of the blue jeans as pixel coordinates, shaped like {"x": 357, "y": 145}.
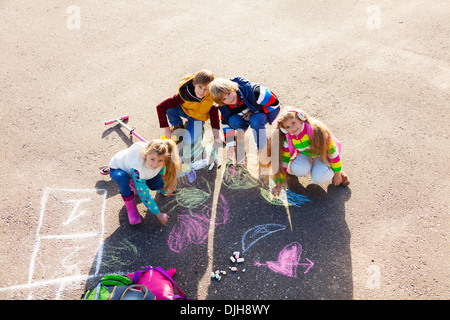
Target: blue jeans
{"x": 123, "y": 180}
{"x": 194, "y": 127}
{"x": 257, "y": 122}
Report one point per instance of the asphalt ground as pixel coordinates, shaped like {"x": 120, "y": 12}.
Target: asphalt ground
{"x": 377, "y": 73}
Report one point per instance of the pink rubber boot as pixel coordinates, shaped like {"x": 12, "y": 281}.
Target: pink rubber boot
{"x": 132, "y": 186}
{"x": 133, "y": 213}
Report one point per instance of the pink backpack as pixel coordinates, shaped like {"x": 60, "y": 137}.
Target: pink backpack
{"x": 159, "y": 282}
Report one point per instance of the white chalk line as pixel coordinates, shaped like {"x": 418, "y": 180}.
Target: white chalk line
{"x": 72, "y": 236}
{"x": 50, "y": 282}
{"x": 38, "y": 238}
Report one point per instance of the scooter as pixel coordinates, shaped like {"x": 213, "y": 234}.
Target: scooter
{"x": 119, "y": 121}
{"x": 105, "y": 170}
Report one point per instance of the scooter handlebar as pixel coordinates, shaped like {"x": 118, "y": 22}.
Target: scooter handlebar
{"x": 112, "y": 121}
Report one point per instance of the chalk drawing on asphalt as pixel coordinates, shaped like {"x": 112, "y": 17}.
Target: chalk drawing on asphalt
{"x": 288, "y": 261}
{"x": 286, "y": 198}
{"x": 190, "y": 197}
{"x": 238, "y": 177}
{"x": 193, "y": 228}
{"x": 68, "y": 237}
{"x": 254, "y": 234}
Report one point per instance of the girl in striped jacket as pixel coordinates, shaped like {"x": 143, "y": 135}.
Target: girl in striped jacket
{"x": 307, "y": 147}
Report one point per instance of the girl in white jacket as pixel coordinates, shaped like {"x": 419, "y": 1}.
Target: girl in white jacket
{"x": 152, "y": 166}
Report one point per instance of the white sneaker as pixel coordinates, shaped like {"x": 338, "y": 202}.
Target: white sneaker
{"x": 199, "y": 164}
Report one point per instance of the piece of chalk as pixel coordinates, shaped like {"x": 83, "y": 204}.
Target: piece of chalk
{"x": 240, "y": 260}
{"x": 233, "y": 269}
{"x": 236, "y": 253}
{"x": 232, "y": 259}
{"x": 211, "y": 166}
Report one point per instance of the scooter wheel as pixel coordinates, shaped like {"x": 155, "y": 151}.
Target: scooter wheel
{"x": 104, "y": 171}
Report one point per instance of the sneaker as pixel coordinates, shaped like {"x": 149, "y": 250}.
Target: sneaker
{"x": 199, "y": 164}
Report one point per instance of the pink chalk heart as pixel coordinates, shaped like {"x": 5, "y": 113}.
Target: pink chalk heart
{"x": 288, "y": 260}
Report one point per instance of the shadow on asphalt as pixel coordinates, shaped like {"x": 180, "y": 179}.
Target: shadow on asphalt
{"x": 297, "y": 251}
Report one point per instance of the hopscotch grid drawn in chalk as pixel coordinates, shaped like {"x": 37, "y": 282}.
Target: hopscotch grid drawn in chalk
{"x": 253, "y": 235}
{"x": 72, "y": 217}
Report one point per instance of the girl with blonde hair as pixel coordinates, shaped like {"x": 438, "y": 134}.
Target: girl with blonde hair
{"x": 152, "y": 166}
{"x": 306, "y": 146}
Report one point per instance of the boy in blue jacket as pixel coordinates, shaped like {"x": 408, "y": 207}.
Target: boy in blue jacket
{"x": 242, "y": 104}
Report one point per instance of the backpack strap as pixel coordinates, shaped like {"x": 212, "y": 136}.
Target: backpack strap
{"x": 131, "y": 293}
{"x": 97, "y": 291}
{"x": 138, "y": 274}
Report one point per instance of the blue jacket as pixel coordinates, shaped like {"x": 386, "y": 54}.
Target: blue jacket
{"x": 247, "y": 91}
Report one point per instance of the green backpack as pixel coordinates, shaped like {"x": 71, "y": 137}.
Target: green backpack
{"x": 118, "y": 287}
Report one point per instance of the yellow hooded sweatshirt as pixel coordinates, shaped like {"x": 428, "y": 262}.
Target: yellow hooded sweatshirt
{"x": 198, "y": 110}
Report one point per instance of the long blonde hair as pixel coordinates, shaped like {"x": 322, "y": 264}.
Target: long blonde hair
{"x": 172, "y": 161}
{"x": 319, "y": 142}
